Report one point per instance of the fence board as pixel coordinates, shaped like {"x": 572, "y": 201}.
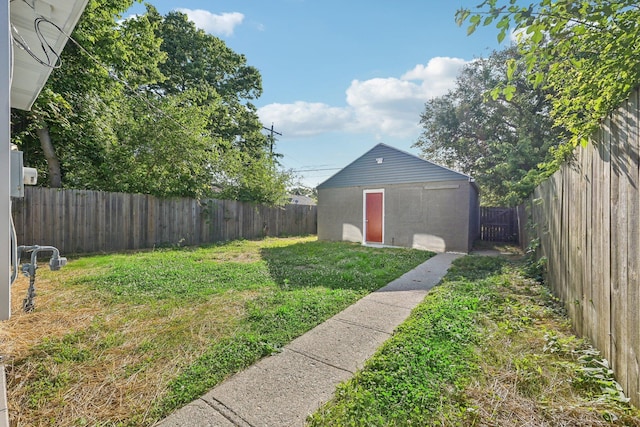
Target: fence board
{"x": 617, "y": 255}
{"x": 576, "y": 248}
{"x": 593, "y": 273}
{"x": 79, "y": 221}
{"x": 587, "y": 219}
{"x": 605, "y": 289}
{"x": 633, "y": 249}
{"x": 587, "y": 224}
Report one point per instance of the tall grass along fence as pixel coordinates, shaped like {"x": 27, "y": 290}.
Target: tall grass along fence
{"x": 79, "y": 221}
{"x": 586, "y": 217}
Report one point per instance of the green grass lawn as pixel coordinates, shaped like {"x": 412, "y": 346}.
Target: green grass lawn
{"x": 125, "y": 339}
{"x": 487, "y": 347}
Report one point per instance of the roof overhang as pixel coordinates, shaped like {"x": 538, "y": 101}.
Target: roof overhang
{"x": 29, "y": 76}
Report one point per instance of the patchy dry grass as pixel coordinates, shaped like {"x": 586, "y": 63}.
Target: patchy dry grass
{"x": 79, "y": 361}
{"x": 123, "y": 339}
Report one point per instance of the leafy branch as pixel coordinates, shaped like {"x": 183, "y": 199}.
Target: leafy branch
{"x": 585, "y": 52}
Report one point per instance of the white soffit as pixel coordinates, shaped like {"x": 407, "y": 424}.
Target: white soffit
{"x": 29, "y": 76}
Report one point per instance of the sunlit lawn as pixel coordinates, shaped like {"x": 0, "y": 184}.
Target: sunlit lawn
{"x": 125, "y": 339}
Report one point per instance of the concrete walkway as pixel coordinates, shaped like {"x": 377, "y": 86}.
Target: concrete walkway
{"x": 282, "y": 390}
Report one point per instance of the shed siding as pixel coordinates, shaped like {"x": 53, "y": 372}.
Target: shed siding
{"x": 474, "y": 216}
{"x": 417, "y": 215}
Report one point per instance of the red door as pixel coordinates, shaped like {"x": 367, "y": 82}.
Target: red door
{"x": 373, "y": 217}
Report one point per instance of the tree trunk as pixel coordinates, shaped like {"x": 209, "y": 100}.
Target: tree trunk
{"x": 53, "y": 164}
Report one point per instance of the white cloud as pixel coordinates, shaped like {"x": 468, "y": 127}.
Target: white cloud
{"x": 223, "y": 24}
{"x": 440, "y": 67}
{"x": 519, "y": 35}
{"x": 391, "y": 106}
{"x": 381, "y": 106}
{"x": 438, "y": 76}
{"x": 305, "y": 118}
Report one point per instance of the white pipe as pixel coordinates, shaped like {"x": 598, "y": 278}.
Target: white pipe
{"x": 5, "y": 188}
{"x": 4, "y": 408}
{"x": 5, "y": 162}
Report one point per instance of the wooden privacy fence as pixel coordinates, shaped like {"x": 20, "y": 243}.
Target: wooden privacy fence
{"x": 587, "y": 219}
{"x": 499, "y": 224}
{"x": 79, "y": 221}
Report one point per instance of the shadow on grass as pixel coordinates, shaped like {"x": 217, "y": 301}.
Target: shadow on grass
{"x": 339, "y": 265}
{"x": 474, "y": 267}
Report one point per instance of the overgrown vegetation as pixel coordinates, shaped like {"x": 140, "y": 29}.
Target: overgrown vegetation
{"x": 124, "y": 339}
{"x": 584, "y": 53}
{"x": 150, "y": 104}
{"x": 487, "y": 347}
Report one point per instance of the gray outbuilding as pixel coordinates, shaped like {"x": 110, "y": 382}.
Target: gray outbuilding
{"x": 389, "y": 197}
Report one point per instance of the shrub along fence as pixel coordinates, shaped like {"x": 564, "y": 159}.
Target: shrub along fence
{"x": 587, "y": 220}
{"x": 80, "y": 221}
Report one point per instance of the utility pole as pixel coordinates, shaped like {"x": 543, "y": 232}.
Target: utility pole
{"x": 271, "y": 137}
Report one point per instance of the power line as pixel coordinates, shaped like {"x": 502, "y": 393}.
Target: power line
{"x": 317, "y": 170}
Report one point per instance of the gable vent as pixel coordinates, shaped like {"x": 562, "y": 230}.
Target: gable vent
{"x": 379, "y": 160}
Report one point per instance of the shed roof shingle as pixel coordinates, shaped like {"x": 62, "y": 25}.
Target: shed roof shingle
{"x": 395, "y": 167}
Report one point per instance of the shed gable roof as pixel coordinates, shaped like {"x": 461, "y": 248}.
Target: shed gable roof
{"x": 396, "y": 167}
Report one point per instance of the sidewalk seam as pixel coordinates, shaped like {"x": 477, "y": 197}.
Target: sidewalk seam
{"x": 360, "y": 325}
{"x": 398, "y": 305}
{"x": 227, "y": 412}
{"x": 324, "y": 362}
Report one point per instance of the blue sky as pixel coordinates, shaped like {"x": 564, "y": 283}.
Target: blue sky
{"x": 340, "y": 76}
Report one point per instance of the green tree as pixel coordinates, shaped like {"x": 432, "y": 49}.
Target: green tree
{"x": 69, "y": 126}
{"x": 500, "y": 141}
{"x": 245, "y": 168}
{"x": 248, "y": 179}
{"x": 150, "y": 105}
{"x": 587, "y": 52}
{"x": 200, "y": 61}
{"x": 164, "y": 151}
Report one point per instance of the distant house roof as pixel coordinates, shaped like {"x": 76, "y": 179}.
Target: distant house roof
{"x": 387, "y": 165}
{"x": 296, "y": 199}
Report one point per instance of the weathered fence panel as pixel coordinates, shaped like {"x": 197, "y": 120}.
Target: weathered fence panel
{"x": 587, "y": 220}
{"x": 80, "y": 221}
{"x": 498, "y": 224}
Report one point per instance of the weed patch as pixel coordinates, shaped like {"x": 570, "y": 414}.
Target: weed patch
{"x": 488, "y": 346}
{"x": 431, "y": 356}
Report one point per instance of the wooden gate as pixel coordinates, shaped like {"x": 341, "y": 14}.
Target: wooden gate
{"x": 499, "y": 224}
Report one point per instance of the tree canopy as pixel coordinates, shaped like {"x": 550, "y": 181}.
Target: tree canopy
{"x": 153, "y": 105}
{"x": 586, "y": 52}
{"x": 499, "y": 142}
